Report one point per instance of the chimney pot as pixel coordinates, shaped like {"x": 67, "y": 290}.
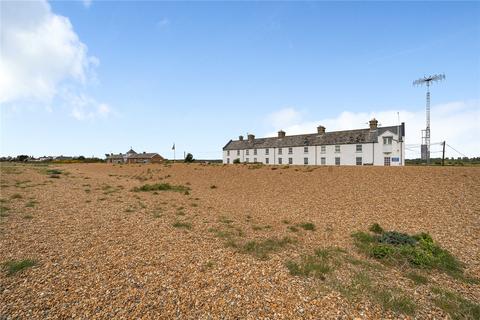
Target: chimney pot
{"x": 251, "y": 137}
{"x": 281, "y": 134}
{"x": 240, "y": 138}
{"x": 373, "y": 124}
{"x": 321, "y": 129}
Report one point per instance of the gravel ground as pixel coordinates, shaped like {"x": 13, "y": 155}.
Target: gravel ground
{"x": 103, "y": 251}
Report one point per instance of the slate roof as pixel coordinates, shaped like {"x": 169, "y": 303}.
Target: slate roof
{"x": 142, "y": 155}
{"x": 314, "y": 139}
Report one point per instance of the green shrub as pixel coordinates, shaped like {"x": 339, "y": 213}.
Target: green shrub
{"x": 381, "y": 251}
{"x": 161, "y": 187}
{"x": 396, "y": 238}
{"x": 236, "y": 161}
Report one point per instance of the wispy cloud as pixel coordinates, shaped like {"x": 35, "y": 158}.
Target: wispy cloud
{"x": 87, "y": 3}
{"x": 456, "y": 122}
{"x": 162, "y": 23}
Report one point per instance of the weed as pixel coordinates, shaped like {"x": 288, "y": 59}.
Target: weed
{"x": 285, "y": 221}
{"x": 16, "y": 266}
{"x": 307, "y": 226}
{"x": 317, "y": 265}
{"x": 375, "y": 228}
{"x": 292, "y": 228}
{"x": 4, "y": 211}
{"x": 16, "y": 196}
{"x": 224, "y": 219}
{"x": 455, "y": 305}
{"x": 161, "y": 187}
{"x": 28, "y": 216}
{"x": 184, "y": 225}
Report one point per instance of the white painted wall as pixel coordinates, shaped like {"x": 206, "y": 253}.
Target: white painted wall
{"x": 372, "y": 153}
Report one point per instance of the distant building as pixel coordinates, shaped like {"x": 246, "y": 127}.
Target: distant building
{"x": 132, "y": 157}
{"x": 380, "y": 146}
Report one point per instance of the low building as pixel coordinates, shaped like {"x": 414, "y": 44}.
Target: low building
{"x": 132, "y": 157}
{"x": 380, "y": 146}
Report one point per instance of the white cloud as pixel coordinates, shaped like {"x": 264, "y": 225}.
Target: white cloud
{"x": 458, "y": 123}
{"x": 40, "y": 52}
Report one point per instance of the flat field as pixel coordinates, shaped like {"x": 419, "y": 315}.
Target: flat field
{"x": 92, "y": 241}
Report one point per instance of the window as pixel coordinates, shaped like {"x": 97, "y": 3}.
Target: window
{"x": 323, "y": 149}
{"x": 267, "y": 151}
{"x": 323, "y": 161}
{"x": 254, "y": 159}
{"x": 290, "y": 150}
{"x": 279, "y": 160}
{"x": 337, "y": 161}
{"x": 228, "y": 160}
{"x": 305, "y": 149}
{"x": 386, "y": 161}
{"x": 337, "y": 149}
{"x": 305, "y": 160}
{"x": 267, "y": 161}
{"x": 358, "y": 161}
{"x": 290, "y": 160}
{"x": 359, "y": 148}
{"x": 279, "y": 150}
{"x": 228, "y": 152}
{"x": 247, "y": 152}
{"x": 387, "y": 140}
{"x": 238, "y": 152}
{"x": 254, "y": 152}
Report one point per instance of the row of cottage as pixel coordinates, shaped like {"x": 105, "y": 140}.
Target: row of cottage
{"x": 383, "y": 146}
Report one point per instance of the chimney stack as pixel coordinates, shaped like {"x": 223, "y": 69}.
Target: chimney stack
{"x": 240, "y": 138}
{"x": 251, "y": 137}
{"x": 373, "y": 124}
{"x": 321, "y": 130}
{"x": 281, "y": 134}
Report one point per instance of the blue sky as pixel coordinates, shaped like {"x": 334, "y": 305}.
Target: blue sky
{"x": 110, "y": 75}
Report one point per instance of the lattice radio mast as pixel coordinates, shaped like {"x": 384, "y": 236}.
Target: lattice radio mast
{"x": 426, "y": 133}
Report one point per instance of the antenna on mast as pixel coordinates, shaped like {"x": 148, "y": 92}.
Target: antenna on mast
{"x": 425, "y": 147}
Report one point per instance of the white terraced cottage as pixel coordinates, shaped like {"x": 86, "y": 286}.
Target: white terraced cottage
{"x": 379, "y": 146}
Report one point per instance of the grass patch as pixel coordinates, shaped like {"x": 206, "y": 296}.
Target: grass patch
{"x": 28, "y": 216}
{"x": 261, "y": 249}
{"x": 17, "y": 266}
{"x": 419, "y": 251}
{"x": 31, "y": 204}
{"x": 161, "y": 187}
{"x": 318, "y": 265}
{"x": 182, "y": 225}
{"x": 455, "y": 305}
{"x": 417, "y": 278}
{"x": 307, "y": 226}
{"x": 54, "y": 171}
{"x": 4, "y": 211}
{"x": 396, "y": 302}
